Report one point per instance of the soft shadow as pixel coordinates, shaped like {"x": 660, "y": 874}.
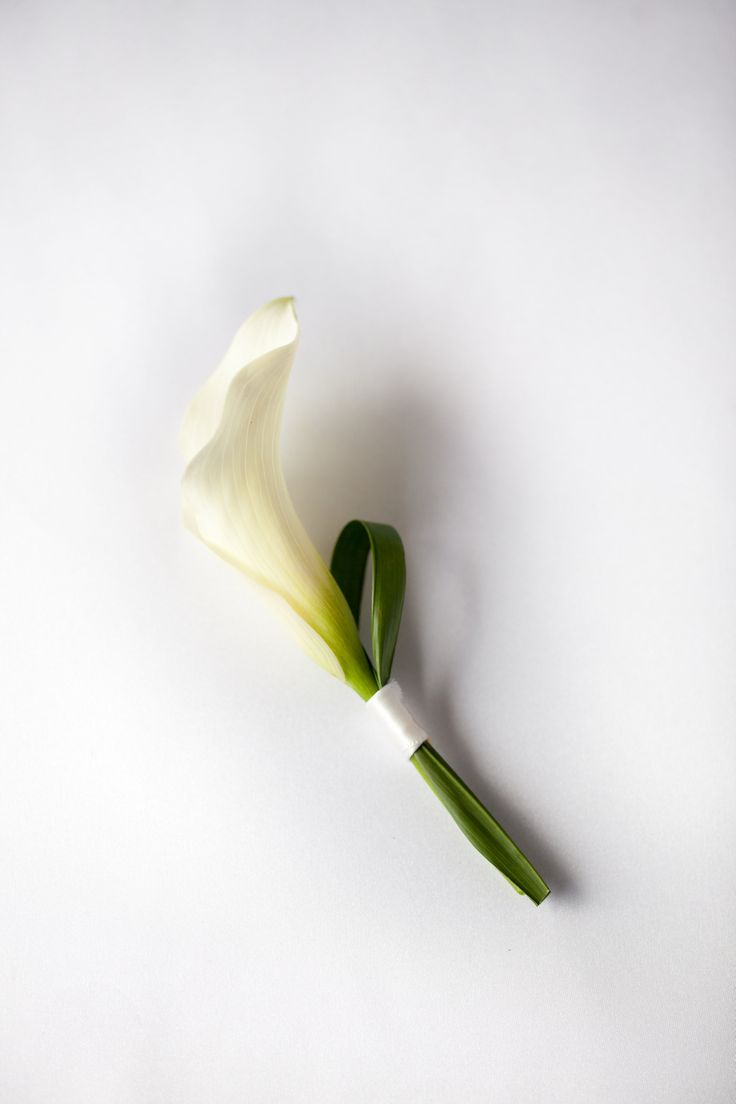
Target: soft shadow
{"x": 392, "y": 462}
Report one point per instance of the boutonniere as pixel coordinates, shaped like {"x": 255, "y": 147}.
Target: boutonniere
{"x": 235, "y": 500}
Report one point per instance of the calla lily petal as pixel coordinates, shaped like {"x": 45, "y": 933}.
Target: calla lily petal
{"x": 235, "y": 498}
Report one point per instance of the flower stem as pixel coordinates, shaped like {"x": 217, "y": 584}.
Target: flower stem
{"x": 474, "y": 820}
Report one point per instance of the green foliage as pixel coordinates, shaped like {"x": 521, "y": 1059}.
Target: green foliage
{"x": 349, "y": 561}
{"x": 474, "y": 820}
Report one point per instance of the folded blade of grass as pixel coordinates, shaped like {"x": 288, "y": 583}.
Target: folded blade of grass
{"x": 474, "y": 820}
{"x": 356, "y": 542}
{"x": 388, "y": 582}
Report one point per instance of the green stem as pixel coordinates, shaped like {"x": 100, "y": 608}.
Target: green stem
{"x": 474, "y": 820}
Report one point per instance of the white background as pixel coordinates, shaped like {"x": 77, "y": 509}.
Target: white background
{"x": 511, "y": 233}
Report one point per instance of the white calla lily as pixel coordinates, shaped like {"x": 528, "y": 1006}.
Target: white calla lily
{"x": 235, "y": 498}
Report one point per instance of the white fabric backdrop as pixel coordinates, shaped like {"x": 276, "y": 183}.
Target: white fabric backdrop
{"x": 510, "y": 230}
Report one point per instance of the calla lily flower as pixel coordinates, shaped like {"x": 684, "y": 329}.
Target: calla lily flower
{"x": 235, "y": 498}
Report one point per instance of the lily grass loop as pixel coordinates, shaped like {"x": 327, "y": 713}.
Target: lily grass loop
{"x": 356, "y": 542}
{"x": 348, "y": 566}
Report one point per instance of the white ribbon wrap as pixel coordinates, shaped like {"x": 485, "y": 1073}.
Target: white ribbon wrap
{"x": 388, "y": 704}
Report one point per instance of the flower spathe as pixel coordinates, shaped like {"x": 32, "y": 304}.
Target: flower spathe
{"x": 235, "y": 499}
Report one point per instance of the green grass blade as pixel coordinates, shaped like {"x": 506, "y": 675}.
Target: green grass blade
{"x": 349, "y": 560}
{"x": 356, "y": 542}
{"x": 474, "y": 820}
